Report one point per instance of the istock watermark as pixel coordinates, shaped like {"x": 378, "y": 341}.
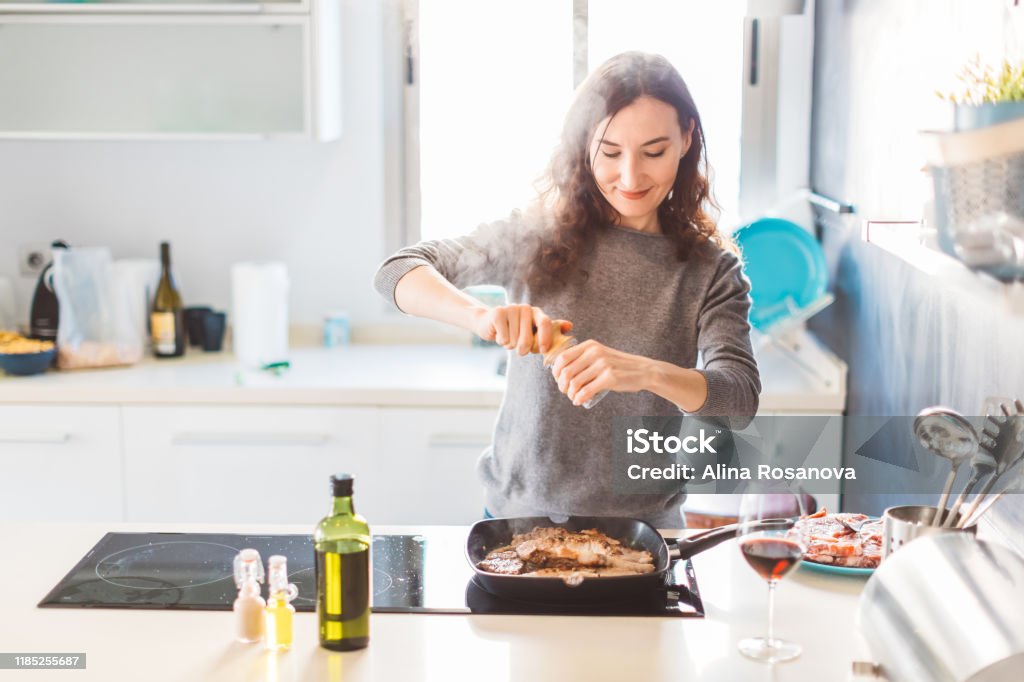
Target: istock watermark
{"x": 815, "y": 454}
{"x": 641, "y": 441}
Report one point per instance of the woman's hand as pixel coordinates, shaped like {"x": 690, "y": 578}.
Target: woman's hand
{"x": 586, "y": 369}
{"x": 516, "y": 326}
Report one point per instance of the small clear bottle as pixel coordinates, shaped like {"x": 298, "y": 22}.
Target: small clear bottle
{"x": 279, "y": 611}
{"x": 559, "y": 343}
{"x": 249, "y": 605}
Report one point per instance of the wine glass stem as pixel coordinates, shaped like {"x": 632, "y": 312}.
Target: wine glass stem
{"x": 771, "y": 612}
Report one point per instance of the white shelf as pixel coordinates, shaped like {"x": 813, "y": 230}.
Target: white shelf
{"x": 919, "y": 248}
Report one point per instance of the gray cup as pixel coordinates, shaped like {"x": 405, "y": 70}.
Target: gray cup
{"x": 900, "y": 525}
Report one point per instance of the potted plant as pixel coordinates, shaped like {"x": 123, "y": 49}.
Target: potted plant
{"x": 989, "y": 96}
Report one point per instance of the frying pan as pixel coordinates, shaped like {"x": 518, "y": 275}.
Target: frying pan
{"x": 490, "y": 534}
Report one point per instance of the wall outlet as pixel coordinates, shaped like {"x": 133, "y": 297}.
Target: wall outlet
{"x": 32, "y": 258}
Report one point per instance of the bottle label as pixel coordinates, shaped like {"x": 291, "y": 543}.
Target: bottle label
{"x": 162, "y": 325}
{"x": 343, "y": 594}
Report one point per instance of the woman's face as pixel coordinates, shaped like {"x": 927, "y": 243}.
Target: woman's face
{"x": 635, "y": 157}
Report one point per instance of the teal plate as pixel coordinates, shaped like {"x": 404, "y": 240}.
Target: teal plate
{"x": 835, "y": 570}
{"x": 785, "y": 266}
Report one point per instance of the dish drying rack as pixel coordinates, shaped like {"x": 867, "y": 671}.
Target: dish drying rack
{"x": 788, "y": 336}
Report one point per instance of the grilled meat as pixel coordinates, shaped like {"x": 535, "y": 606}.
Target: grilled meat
{"x": 506, "y": 563}
{"x": 559, "y": 552}
{"x": 827, "y": 541}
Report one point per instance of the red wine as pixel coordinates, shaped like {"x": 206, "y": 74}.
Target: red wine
{"x": 772, "y": 558}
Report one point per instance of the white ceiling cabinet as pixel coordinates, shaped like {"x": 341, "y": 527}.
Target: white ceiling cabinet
{"x": 187, "y": 70}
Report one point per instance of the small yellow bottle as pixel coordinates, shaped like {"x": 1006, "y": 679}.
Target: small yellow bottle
{"x": 279, "y": 611}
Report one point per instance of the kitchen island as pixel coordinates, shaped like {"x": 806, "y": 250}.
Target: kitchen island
{"x": 814, "y": 609}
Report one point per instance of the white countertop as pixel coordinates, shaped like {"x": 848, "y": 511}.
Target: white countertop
{"x": 364, "y": 374}
{"x": 814, "y": 609}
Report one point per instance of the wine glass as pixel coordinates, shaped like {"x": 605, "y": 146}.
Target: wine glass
{"x": 773, "y": 551}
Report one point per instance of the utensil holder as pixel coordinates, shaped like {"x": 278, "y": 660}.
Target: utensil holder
{"x": 902, "y": 524}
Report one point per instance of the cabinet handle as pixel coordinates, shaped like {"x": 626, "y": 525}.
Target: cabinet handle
{"x": 272, "y": 439}
{"x": 459, "y": 440}
{"x": 42, "y": 437}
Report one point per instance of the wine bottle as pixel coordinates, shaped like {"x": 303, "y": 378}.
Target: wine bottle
{"x": 167, "y": 320}
{"x": 342, "y": 546}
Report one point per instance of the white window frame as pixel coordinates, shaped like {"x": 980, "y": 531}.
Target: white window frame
{"x": 775, "y": 128}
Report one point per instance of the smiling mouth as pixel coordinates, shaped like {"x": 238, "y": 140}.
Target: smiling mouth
{"x": 634, "y": 195}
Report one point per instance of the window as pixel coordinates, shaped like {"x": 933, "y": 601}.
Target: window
{"x": 490, "y": 105}
{"x": 485, "y": 101}
{"x": 704, "y": 41}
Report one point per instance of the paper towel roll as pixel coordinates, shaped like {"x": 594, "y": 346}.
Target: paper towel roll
{"x": 259, "y": 307}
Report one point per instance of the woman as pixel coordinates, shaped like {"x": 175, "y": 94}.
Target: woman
{"x": 621, "y": 250}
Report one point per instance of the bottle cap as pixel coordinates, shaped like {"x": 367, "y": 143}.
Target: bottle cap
{"x": 248, "y": 566}
{"x": 341, "y": 485}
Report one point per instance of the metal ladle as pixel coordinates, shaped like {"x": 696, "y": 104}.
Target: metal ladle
{"x": 982, "y": 465}
{"x": 946, "y": 433}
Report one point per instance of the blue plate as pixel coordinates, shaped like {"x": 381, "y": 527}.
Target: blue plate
{"x": 835, "y": 570}
{"x": 786, "y": 268}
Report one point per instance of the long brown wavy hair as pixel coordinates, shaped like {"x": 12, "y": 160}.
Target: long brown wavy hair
{"x": 570, "y": 190}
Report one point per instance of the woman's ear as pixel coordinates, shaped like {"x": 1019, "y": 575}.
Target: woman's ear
{"x": 688, "y": 137}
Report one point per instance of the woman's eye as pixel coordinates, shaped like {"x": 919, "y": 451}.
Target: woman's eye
{"x": 612, "y": 155}
{"x": 655, "y": 155}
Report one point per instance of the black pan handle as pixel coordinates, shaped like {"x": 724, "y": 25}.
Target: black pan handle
{"x": 695, "y": 544}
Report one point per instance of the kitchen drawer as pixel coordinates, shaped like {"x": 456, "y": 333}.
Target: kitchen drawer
{"x": 60, "y": 463}
{"x": 426, "y": 466}
{"x": 242, "y": 464}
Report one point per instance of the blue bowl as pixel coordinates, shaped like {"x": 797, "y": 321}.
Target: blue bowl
{"x": 25, "y": 364}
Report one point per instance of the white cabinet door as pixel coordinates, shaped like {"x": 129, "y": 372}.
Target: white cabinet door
{"x": 426, "y": 465}
{"x": 242, "y": 464}
{"x": 60, "y": 463}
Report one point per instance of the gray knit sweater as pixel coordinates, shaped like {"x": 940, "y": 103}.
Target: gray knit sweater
{"x": 549, "y": 457}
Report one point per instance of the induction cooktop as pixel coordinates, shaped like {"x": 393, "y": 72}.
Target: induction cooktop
{"x": 425, "y": 573}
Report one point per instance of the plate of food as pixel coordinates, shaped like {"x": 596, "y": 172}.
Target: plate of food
{"x": 840, "y": 544}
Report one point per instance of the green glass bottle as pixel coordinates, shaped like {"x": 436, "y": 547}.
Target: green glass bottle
{"x": 167, "y": 317}
{"x": 342, "y": 546}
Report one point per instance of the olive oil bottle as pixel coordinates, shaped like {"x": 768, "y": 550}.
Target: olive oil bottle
{"x": 342, "y": 545}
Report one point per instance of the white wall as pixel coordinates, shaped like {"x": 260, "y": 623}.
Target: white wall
{"x": 318, "y": 206}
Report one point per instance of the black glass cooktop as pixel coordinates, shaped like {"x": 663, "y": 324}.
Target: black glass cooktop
{"x": 411, "y": 574}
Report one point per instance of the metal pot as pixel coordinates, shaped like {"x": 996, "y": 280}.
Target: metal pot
{"x": 946, "y": 608}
